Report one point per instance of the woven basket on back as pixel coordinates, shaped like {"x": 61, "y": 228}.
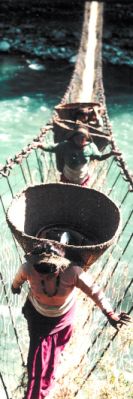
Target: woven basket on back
{"x": 84, "y": 210}
{"x": 67, "y": 111}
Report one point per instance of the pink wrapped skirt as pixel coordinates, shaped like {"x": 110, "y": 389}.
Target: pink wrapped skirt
{"x": 48, "y": 337}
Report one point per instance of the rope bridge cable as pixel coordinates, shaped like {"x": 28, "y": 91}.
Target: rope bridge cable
{"x": 102, "y": 354}
{"x": 107, "y": 345}
{"x": 122, "y": 172}
{"x": 99, "y": 334}
{"x": 29, "y": 168}
{"x": 113, "y": 249}
{"x": 99, "y": 95}
{"x": 127, "y": 288}
{"x": 118, "y": 304}
{"x": 11, "y": 316}
{"x": 4, "y": 386}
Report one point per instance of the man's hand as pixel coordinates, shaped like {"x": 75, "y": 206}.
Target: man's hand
{"x": 15, "y": 290}
{"x": 118, "y": 153}
{"x": 37, "y": 144}
{"x": 118, "y": 320}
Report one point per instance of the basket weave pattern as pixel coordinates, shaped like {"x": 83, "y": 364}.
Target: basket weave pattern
{"x": 85, "y": 210}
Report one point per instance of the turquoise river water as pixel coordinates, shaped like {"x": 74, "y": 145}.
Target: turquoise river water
{"x": 30, "y": 90}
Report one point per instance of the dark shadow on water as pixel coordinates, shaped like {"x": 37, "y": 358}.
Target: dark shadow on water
{"x": 22, "y": 77}
{"x": 117, "y": 79}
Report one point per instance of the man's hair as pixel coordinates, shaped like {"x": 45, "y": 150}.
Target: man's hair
{"x": 45, "y": 268}
{"x": 82, "y": 111}
{"x": 82, "y": 129}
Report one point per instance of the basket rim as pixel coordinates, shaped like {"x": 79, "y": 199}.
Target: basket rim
{"x": 101, "y": 246}
{"x": 76, "y": 104}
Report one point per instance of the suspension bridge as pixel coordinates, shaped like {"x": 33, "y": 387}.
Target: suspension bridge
{"x": 97, "y": 357}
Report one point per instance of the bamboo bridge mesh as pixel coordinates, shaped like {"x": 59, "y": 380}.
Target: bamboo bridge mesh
{"x": 96, "y": 357}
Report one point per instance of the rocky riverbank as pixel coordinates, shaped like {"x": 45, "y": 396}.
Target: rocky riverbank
{"x": 41, "y": 29}
{"x": 51, "y": 29}
{"x": 118, "y": 33}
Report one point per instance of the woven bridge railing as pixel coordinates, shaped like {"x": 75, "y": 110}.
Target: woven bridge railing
{"x": 98, "y": 357}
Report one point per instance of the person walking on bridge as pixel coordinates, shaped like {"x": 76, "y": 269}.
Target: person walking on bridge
{"x": 49, "y": 310}
{"x": 75, "y": 154}
{"x": 91, "y": 116}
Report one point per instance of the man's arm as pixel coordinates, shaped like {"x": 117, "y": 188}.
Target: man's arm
{"x": 19, "y": 280}
{"x": 85, "y": 283}
{"x": 48, "y": 148}
{"x": 96, "y": 154}
{"x": 108, "y": 155}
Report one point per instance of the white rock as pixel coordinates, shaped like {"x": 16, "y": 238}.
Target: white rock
{"x": 4, "y": 45}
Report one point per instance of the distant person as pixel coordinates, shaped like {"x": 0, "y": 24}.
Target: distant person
{"x": 50, "y": 308}
{"x": 91, "y": 116}
{"x": 75, "y": 154}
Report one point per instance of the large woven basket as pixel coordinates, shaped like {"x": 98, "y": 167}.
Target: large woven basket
{"x": 67, "y": 111}
{"x": 84, "y": 210}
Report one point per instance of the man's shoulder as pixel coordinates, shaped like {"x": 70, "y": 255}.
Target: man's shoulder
{"x": 26, "y": 267}
{"x": 73, "y": 270}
